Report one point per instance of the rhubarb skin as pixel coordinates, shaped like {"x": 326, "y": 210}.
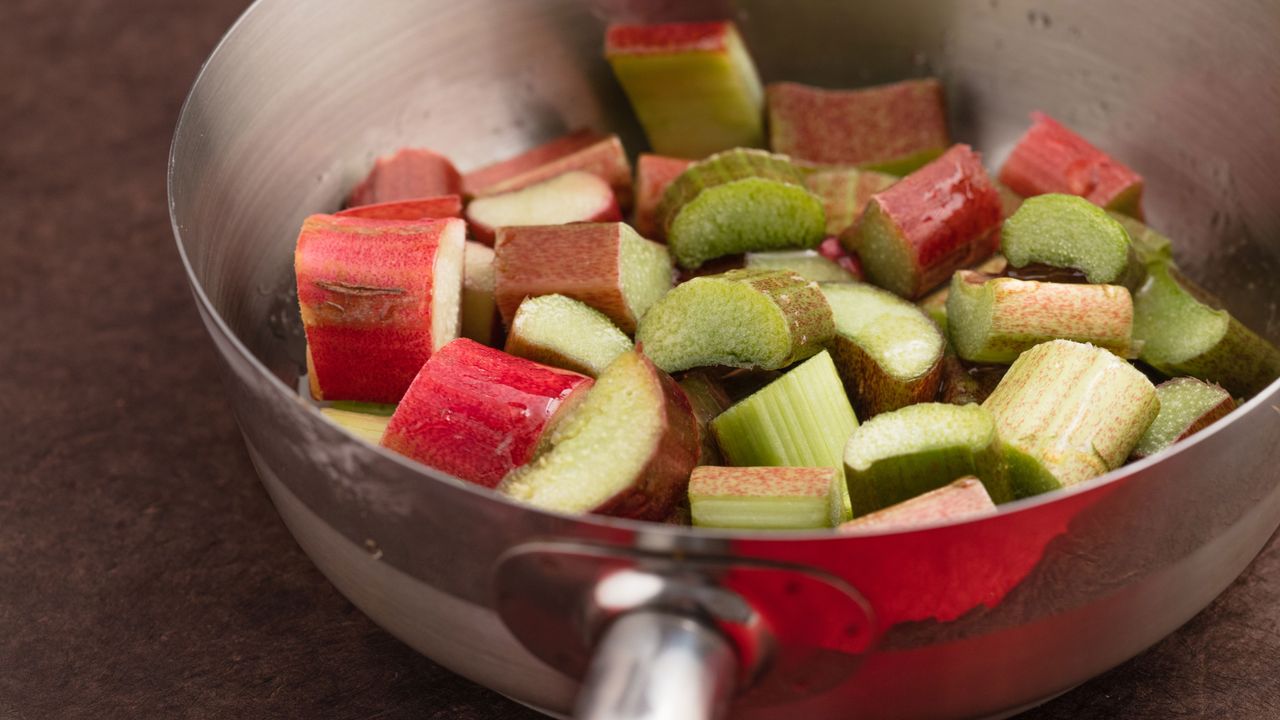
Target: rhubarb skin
{"x": 626, "y": 449}
{"x": 605, "y": 265}
{"x": 895, "y": 128}
{"x": 1050, "y": 158}
{"x": 845, "y": 192}
{"x": 994, "y": 320}
{"x": 762, "y": 498}
{"x": 377, "y": 297}
{"x": 443, "y": 206}
{"x": 938, "y": 219}
{"x": 1187, "y": 406}
{"x": 585, "y": 150}
{"x": 407, "y": 174}
{"x": 692, "y": 85}
{"x": 1067, "y": 412}
{"x": 653, "y": 174}
{"x": 964, "y": 499}
{"x": 708, "y": 399}
{"x": 476, "y": 413}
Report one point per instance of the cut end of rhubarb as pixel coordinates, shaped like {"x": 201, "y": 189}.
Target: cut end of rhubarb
{"x": 479, "y": 311}
{"x": 964, "y": 499}
{"x": 1067, "y": 231}
{"x": 366, "y": 426}
{"x": 574, "y": 196}
{"x": 739, "y": 201}
{"x": 762, "y": 498}
{"x": 562, "y": 332}
{"x": 764, "y": 319}
{"x": 1187, "y": 406}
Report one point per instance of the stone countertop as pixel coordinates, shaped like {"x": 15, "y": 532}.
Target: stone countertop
{"x": 143, "y": 570}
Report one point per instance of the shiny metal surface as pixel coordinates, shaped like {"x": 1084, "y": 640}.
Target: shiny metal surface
{"x": 658, "y": 666}
{"x": 973, "y": 619}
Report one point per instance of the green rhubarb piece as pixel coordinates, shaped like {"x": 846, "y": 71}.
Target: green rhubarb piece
{"x": 1187, "y": 406}
{"x": 886, "y": 349}
{"x": 368, "y": 426}
{"x": 1067, "y": 412}
{"x": 935, "y": 303}
{"x": 562, "y": 332}
{"x": 993, "y": 320}
{"x": 692, "y": 85}
{"x": 844, "y": 192}
{"x": 708, "y": 399}
{"x": 808, "y": 264}
{"x": 763, "y": 498}
{"x": 1068, "y": 231}
{"x": 963, "y": 499}
{"x": 1181, "y": 335}
{"x": 762, "y": 319}
{"x": 802, "y": 419}
{"x": 739, "y": 201}
{"x": 898, "y": 455}
{"x": 1148, "y": 245}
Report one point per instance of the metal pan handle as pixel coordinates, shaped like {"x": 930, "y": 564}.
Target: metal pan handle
{"x": 654, "y": 665}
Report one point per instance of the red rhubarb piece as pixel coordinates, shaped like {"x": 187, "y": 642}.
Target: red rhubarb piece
{"x": 377, "y": 298}
{"x": 405, "y": 175}
{"x": 443, "y": 206}
{"x": 1050, "y": 158}
{"x": 476, "y": 412}
{"x": 575, "y": 196}
{"x": 586, "y": 150}
{"x": 832, "y": 250}
{"x": 653, "y": 174}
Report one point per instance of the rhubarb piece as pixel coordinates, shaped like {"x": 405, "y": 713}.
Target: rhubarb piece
{"x": 407, "y": 174}
{"x": 763, "y": 498}
{"x": 808, "y": 264}
{"x": 443, "y": 206}
{"x": 762, "y": 319}
{"x": 738, "y": 201}
{"x": 1187, "y": 406}
{"x": 802, "y": 419}
{"x": 480, "y": 320}
{"x": 929, "y": 224}
{"x": 708, "y": 399}
{"x": 1067, "y": 412}
{"x": 1148, "y": 245}
{"x": 562, "y": 332}
{"x": 898, "y": 455}
{"x": 626, "y": 450}
{"x": 605, "y": 265}
{"x": 572, "y": 197}
{"x": 692, "y": 85}
{"x": 963, "y": 499}
{"x": 832, "y": 250}
{"x": 888, "y": 352}
{"x": 475, "y": 412}
{"x": 585, "y": 150}
{"x": 366, "y": 426}
{"x": 653, "y": 174}
{"x": 1067, "y": 231}
{"x": 1183, "y": 335}
{"x": 935, "y": 303}
{"x": 1050, "y": 158}
{"x": 993, "y": 320}
{"x": 844, "y": 192}
{"x": 377, "y": 298}
{"x": 894, "y": 128}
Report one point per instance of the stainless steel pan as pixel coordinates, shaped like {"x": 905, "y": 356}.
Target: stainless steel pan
{"x": 968, "y": 620}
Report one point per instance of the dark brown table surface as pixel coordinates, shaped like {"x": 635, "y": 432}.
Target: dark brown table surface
{"x": 143, "y": 571}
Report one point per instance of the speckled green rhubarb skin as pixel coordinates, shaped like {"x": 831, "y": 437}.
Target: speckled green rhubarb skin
{"x": 994, "y": 320}
{"x": 762, "y": 319}
{"x": 808, "y": 264}
{"x": 802, "y": 419}
{"x": 1148, "y": 245}
{"x": 762, "y": 498}
{"x": 898, "y": 455}
{"x": 963, "y": 499}
{"x": 739, "y": 201}
{"x": 1067, "y": 412}
{"x": 887, "y": 350}
{"x": 562, "y": 332}
{"x": 1181, "y": 335}
{"x": 708, "y": 399}
{"x": 844, "y": 192}
{"x": 1187, "y": 406}
{"x": 1070, "y": 232}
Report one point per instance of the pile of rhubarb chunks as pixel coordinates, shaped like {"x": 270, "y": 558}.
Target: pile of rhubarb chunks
{"x": 857, "y": 328}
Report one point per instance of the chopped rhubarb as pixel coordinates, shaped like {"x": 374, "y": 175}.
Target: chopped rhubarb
{"x": 476, "y": 413}
{"x": 845, "y": 192}
{"x": 443, "y": 206}
{"x": 763, "y": 498}
{"x": 963, "y": 499}
{"x": 575, "y": 196}
{"x": 653, "y": 174}
{"x": 1050, "y": 158}
{"x": 585, "y": 150}
{"x": 405, "y": 175}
